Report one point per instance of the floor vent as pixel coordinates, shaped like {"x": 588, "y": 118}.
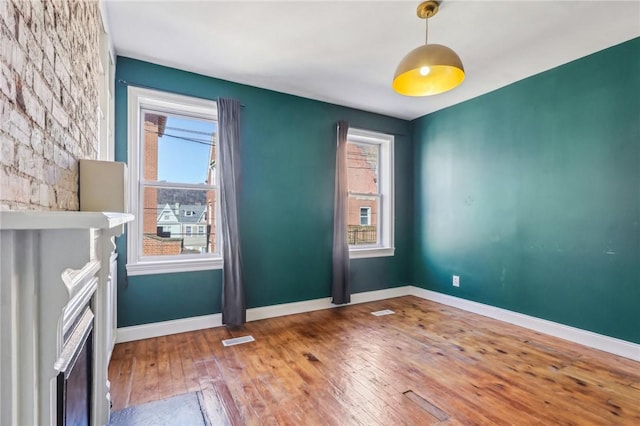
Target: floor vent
{"x": 238, "y": 340}
{"x": 383, "y": 312}
{"x": 426, "y": 405}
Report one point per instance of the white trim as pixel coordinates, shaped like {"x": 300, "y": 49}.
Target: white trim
{"x": 608, "y": 344}
{"x": 104, "y": 115}
{"x": 133, "y": 133}
{"x": 104, "y": 16}
{"x": 173, "y": 103}
{"x": 38, "y": 220}
{"x": 587, "y": 338}
{"x": 164, "y": 328}
{"x": 364, "y": 253}
{"x": 372, "y": 296}
{"x": 151, "y": 268}
{"x": 283, "y": 309}
{"x": 138, "y": 101}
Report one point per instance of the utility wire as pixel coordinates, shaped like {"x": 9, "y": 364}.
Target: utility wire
{"x": 200, "y": 141}
{"x": 190, "y": 131}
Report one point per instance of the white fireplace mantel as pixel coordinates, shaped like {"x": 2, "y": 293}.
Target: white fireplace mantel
{"x": 52, "y": 265}
{"x": 38, "y": 220}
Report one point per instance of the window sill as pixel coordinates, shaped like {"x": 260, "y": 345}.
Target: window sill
{"x": 363, "y": 253}
{"x": 168, "y": 267}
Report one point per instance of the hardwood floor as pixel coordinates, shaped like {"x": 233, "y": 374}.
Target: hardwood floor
{"x": 426, "y": 364}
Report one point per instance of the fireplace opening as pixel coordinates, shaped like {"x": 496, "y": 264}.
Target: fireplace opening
{"x": 76, "y": 368}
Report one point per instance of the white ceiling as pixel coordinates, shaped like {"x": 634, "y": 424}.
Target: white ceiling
{"x": 346, "y": 52}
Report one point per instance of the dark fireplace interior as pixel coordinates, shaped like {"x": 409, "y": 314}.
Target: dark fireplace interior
{"x": 74, "y": 380}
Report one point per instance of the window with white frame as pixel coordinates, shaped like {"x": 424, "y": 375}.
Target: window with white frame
{"x": 172, "y": 145}
{"x": 365, "y": 216}
{"x": 371, "y": 201}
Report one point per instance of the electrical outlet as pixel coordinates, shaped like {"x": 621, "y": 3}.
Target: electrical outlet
{"x": 456, "y": 281}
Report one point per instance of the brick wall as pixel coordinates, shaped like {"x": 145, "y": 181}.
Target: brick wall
{"x": 49, "y": 74}
{"x": 363, "y": 179}
{"x": 157, "y": 246}
{"x": 151, "y": 133}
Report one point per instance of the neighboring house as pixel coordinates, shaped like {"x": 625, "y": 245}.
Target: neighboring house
{"x": 184, "y": 222}
{"x": 193, "y": 227}
{"x": 168, "y": 223}
{"x": 173, "y": 228}
{"x": 212, "y": 179}
{"x": 362, "y": 220}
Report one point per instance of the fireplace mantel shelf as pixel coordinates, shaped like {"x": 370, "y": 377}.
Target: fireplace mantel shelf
{"x": 24, "y": 220}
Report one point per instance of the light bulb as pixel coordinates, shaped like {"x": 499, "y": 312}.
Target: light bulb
{"x": 424, "y": 71}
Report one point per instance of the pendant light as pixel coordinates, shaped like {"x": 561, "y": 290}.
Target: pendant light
{"x": 430, "y": 69}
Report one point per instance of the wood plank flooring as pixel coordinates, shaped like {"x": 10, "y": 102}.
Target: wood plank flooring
{"x": 345, "y": 366}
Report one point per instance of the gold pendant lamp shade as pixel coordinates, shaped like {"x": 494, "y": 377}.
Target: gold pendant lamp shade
{"x": 429, "y": 69}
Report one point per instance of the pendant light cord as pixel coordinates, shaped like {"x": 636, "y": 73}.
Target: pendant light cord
{"x": 426, "y": 30}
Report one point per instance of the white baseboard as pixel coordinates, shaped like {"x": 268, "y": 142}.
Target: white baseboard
{"x": 583, "y": 337}
{"x": 577, "y": 335}
{"x": 165, "y": 328}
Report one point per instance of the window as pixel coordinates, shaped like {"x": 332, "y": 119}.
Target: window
{"x": 200, "y": 230}
{"x": 365, "y": 216}
{"x": 172, "y": 145}
{"x": 370, "y": 179}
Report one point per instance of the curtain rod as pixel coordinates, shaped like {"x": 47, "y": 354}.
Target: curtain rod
{"x": 143, "y": 86}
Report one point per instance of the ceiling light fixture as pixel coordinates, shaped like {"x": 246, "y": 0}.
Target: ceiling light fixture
{"x": 429, "y": 69}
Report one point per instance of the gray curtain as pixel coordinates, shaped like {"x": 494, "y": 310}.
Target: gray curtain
{"x": 234, "y": 311}
{"x": 340, "y": 289}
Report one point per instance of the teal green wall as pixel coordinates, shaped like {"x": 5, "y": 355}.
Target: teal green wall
{"x": 531, "y": 194}
{"x": 286, "y": 201}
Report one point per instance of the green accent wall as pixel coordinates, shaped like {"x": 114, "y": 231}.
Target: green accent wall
{"x": 531, "y": 194}
{"x": 286, "y": 201}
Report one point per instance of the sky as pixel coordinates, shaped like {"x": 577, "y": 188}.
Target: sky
{"x": 180, "y": 160}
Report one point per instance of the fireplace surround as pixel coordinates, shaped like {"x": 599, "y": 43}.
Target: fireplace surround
{"x": 55, "y": 271}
